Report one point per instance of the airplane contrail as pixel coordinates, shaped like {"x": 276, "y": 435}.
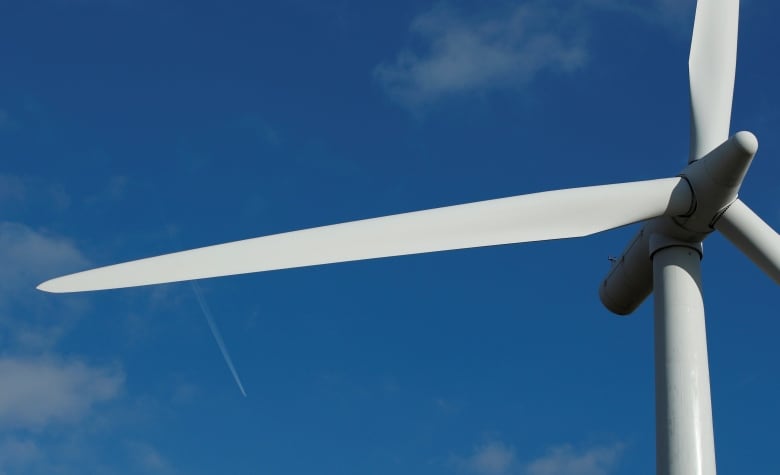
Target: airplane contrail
{"x": 215, "y": 331}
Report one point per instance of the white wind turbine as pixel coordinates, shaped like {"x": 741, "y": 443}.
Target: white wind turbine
{"x": 665, "y": 256}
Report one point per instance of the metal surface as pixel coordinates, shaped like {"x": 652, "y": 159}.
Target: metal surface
{"x": 684, "y": 435}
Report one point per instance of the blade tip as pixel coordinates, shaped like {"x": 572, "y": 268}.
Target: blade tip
{"x": 61, "y": 285}
{"x": 48, "y": 286}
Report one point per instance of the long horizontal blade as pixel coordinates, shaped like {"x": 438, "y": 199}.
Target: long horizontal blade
{"x": 746, "y": 230}
{"x": 711, "y": 67}
{"x": 536, "y": 217}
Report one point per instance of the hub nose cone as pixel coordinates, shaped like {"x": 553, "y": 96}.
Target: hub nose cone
{"x": 726, "y": 165}
{"x": 715, "y": 180}
{"x": 747, "y": 142}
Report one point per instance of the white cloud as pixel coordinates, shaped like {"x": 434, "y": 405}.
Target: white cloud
{"x": 56, "y": 416}
{"x": 28, "y": 256}
{"x": 41, "y": 391}
{"x": 498, "y": 458}
{"x": 564, "y": 460}
{"x": 676, "y": 14}
{"x": 493, "y": 458}
{"x": 78, "y": 452}
{"x": 148, "y": 458}
{"x": 463, "y": 54}
{"x": 24, "y": 191}
{"x": 458, "y": 53}
{"x": 16, "y": 452}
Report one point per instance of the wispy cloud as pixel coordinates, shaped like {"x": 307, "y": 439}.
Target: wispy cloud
{"x": 499, "y": 458}
{"x": 55, "y": 409}
{"x": 148, "y": 458}
{"x": 78, "y": 451}
{"x": 493, "y": 458}
{"x": 453, "y": 52}
{"x": 41, "y": 391}
{"x": 16, "y": 452}
{"x": 23, "y": 192}
{"x": 677, "y": 14}
{"x": 565, "y": 460}
{"x": 28, "y": 257}
{"x": 457, "y": 53}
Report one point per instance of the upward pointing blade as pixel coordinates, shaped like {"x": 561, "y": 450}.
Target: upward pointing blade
{"x": 536, "y": 217}
{"x": 711, "y": 67}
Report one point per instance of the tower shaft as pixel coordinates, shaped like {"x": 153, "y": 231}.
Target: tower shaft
{"x": 684, "y": 434}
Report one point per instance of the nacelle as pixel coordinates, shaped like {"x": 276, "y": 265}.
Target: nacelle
{"x": 630, "y": 280}
{"x": 714, "y": 182}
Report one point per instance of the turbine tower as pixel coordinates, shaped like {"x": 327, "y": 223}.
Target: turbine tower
{"x": 664, "y": 258}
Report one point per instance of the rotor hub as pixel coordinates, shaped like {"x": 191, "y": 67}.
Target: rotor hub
{"x": 715, "y": 180}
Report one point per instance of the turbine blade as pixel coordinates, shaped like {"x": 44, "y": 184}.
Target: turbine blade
{"x": 711, "y": 68}
{"x": 536, "y": 217}
{"x": 746, "y": 230}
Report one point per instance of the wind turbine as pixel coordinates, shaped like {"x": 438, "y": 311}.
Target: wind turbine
{"x": 678, "y": 213}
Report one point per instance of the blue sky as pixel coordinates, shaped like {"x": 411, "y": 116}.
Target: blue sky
{"x": 130, "y": 128}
